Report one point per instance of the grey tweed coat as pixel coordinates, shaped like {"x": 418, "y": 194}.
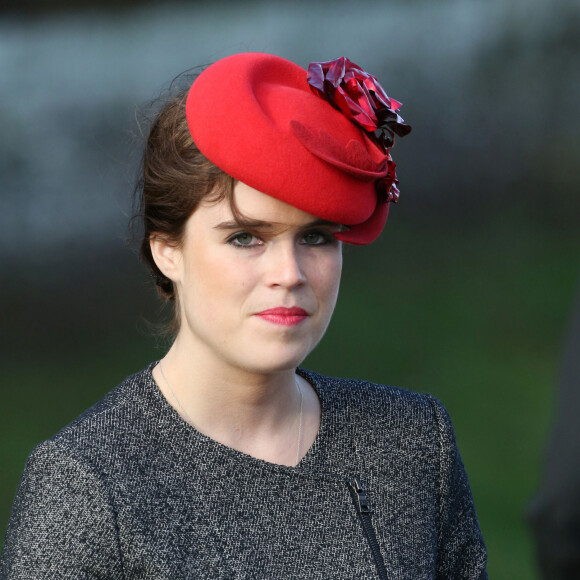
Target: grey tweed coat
{"x": 129, "y": 490}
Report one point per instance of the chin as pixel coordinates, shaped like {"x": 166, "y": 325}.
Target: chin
{"x": 275, "y": 360}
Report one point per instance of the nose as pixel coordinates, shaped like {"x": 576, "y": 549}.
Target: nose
{"x": 284, "y": 266}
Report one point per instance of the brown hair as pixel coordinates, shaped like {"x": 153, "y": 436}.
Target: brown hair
{"x": 175, "y": 177}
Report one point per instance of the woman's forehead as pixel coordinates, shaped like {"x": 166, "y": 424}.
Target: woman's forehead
{"x": 257, "y": 210}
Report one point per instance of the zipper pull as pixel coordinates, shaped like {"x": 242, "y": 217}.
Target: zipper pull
{"x": 363, "y": 507}
{"x": 362, "y": 502}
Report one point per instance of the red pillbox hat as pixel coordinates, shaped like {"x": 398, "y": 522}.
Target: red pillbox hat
{"x": 258, "y": 118}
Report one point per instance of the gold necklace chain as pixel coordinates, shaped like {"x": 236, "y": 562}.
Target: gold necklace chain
{"x": 189, "y": 420}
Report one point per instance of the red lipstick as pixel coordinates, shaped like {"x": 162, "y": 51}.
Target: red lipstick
{"x": 284, "y": 316}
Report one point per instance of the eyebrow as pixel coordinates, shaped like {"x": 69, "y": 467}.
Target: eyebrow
{"x": 260, "y": 225}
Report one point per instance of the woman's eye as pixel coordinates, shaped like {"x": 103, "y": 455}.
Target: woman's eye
{"x": 316, "y": 238}
{"x": 244, "y": 240}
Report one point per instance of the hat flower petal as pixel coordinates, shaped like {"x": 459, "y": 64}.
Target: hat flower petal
{"x": 360, "y": 97}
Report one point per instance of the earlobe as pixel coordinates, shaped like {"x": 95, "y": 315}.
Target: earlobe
{"x": 167, "y": 256}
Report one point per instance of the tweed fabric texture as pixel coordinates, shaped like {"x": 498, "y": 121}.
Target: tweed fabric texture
{"x": 129, "y": 490}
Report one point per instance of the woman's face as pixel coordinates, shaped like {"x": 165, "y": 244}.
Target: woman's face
{"x": 258, "y": 297}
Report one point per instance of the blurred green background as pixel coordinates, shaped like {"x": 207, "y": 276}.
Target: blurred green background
{"x": 466, "y": 295}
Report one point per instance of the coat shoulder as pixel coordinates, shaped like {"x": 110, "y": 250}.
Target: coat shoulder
{"x": 377, "y": 401}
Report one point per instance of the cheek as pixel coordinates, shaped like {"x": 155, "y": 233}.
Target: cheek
{"x": 327, "y": 277}
{"x": 215, "y": 278}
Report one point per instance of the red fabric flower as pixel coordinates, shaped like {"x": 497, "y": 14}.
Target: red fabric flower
{"x": 386, "y": 187}
{"x": 360, "y": 97}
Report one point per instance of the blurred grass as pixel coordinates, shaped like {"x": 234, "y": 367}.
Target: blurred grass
{"x": 475, "y": 316}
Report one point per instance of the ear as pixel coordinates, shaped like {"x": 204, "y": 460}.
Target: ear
{"x": 167, "y": 256}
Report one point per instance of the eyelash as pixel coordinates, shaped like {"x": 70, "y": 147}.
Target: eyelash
{"x": 326, "y": 239}
{"x": 234, "y": 240}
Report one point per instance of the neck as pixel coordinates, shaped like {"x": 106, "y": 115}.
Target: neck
{"x": 256, "y": 413}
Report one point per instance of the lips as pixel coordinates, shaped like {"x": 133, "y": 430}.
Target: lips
{"x": 284, "y": 316}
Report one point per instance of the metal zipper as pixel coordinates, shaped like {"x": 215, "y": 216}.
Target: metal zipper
{"x": 364, "y": 511}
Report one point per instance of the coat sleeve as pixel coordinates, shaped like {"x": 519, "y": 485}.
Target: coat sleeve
{"x": 62, "y": 523}
{"x": 461, "y": 551}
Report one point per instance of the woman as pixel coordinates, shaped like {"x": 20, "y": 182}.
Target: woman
{"x": 223, "y": 460}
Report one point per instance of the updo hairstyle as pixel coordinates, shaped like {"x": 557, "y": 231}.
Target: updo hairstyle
{"x": 175, "y": 177}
